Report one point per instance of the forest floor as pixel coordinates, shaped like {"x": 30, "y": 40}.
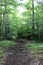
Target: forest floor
{"x": 22, "y": 52}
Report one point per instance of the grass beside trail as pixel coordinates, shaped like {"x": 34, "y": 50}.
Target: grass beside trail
{"x": 36, "y": 46}
{"x": 4, "y": 45}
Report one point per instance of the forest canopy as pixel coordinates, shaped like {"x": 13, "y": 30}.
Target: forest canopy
{"x": 21, "y": 19}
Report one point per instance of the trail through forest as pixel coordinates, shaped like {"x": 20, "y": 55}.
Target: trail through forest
{"x": 21, "y": 19}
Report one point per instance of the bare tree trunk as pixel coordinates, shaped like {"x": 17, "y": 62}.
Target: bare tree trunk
{"x": 33, "y": 14}
{"x": 33, "y": 19}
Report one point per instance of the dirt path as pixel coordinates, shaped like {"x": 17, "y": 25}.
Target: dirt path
{"x": 20, "y": 55}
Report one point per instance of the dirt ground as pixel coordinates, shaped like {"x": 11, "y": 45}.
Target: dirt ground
{"x": 20, "y": 55}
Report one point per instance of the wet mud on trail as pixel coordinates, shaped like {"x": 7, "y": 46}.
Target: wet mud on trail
{"x": 19, "y": 54}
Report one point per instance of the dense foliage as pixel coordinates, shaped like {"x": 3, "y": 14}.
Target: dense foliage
{"x": 15, "y": 25}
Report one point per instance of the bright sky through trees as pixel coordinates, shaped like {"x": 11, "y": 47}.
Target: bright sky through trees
{"x": 40, "y": 1}
{"x": 23, "y": 1}
{"x": 22, "y": 9}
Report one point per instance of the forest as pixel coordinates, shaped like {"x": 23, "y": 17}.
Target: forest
{"x": 21, "y": 25}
